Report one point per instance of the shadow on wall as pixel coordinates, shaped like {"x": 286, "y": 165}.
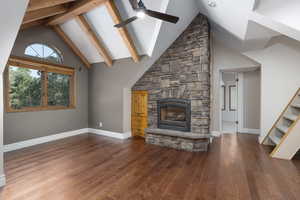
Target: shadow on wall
{"x": 106, "y": 86}
{"x": 45, "y": 123}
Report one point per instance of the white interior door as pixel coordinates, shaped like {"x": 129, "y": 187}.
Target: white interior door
{"x": 233, "y": 102}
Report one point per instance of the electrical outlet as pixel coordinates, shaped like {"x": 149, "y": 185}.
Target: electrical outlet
{"x": 100, "y": 124}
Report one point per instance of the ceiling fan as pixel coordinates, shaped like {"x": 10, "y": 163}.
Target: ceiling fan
{"x": 140, "y": 8}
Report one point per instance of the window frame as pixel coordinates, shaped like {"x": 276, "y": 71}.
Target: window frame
{"x": 43, "y": 59}
{"x": 45, "y": 67}
{"x": 230, "y": 99}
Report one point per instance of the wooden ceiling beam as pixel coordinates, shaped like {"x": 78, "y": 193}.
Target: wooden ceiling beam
{"x": 32, "y": 24}
{"x": 76, "y": 10}
{"x": 43, "y": 13}
{"x": 94, "y": 39}
{"x": 40, "y": 4}
{"x": 113, "y": 11}
{"x": 72, "y": 46}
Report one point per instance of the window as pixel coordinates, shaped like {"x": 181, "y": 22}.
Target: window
{"x": 223, "y": 95}
{"x": 58, "y": 89}
{"x": 232, "y": 98}
{"x": 43, "y": 52}
{"x": 35, "y": 85}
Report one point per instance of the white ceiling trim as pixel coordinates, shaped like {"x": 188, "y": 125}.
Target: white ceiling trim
{"x": 158, "y": 25}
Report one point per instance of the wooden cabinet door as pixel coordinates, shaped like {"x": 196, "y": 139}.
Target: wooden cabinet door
{"x": 139, "y": 113}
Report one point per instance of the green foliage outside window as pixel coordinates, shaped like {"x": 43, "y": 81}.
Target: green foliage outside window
{"x": 58, "y": 89}
{"x": 38, "y": 84}
{"x": 25, "y": 87}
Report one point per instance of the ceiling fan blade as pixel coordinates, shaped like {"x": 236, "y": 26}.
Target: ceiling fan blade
{"x": 162, "y": 16}
{"x": 134, "y": 4}
{"x": 127, "y": 21}
{"x": 141, "y": 5}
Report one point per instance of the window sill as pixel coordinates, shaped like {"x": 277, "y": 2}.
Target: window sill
{"x": 36, "y": 109}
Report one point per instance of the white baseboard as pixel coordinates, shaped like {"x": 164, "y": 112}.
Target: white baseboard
{"x": 2, "y": 180}
{"x": 117, "y": 135}
{"x": 227, "y": 132}
{"x": 244, "y": 130}
{"x": 41, "y": 140}
{"x": 250, "y": 131}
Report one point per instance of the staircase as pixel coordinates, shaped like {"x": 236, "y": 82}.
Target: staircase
{"x": 285, "y": 133}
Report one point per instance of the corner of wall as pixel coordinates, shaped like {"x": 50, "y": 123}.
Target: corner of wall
{"x": 2, "y": 180}
{"x": 126, "y": 110}
{"x": 13, "y": 10}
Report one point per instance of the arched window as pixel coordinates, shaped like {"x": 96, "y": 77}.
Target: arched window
{"x": 43, "y": 52}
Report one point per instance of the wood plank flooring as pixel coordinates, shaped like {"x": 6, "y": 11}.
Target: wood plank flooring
{"x": 91, "y": 167}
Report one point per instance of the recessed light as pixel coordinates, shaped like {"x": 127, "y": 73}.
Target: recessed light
{"x": 212, "y": 3}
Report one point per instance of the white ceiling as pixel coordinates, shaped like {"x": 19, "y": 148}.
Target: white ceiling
{"x": 244, "y": 25}
{"x": 143, "y": 32}
{"x": 72, "y": 29}
{"x": 250, "y": 24}
{"x": 287, "y": 13}
{"x": 231, "y": 15}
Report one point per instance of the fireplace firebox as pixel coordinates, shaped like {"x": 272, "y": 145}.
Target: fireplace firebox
{"x": 174, "y": 114}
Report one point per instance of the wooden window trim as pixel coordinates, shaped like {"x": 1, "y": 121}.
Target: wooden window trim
{"x": 45, "y": 67}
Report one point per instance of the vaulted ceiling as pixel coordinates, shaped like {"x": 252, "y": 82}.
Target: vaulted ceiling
{"x": 87, "y": 26}
{"x": 250, "y": 24}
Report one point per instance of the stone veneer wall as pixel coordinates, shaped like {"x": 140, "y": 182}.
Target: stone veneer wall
{"x": 183, "y": 71}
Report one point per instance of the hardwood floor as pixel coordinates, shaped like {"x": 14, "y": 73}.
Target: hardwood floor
{"x": 90, "y": 167}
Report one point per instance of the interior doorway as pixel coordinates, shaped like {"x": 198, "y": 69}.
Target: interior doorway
{"x": 240, "y": 101}
{"x": 229, "y": 98}
{"x": 139, "y": 113}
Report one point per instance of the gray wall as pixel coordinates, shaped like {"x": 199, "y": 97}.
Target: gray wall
{"x": 107, "y": 101}
{"x": 251, "y": 98}
{"x": 27, "y": 125}
{"x": 224, "y": 59}
{"x": 106, "y": 98}
{"x": 279, "y": 77}
{"x": 11, "y": 14}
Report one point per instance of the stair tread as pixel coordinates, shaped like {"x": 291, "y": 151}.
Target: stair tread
{"x": 296, "y": 105}
{"x": 275, "y": 139}
{"x": 290, "y": 117}
{"x": 282, "y": 128}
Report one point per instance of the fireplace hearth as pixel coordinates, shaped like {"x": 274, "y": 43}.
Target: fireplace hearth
{"x": 174, "y": 114}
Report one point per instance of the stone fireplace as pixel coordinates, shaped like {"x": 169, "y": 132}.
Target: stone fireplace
{"x": 174, "y": 114}
{"x": 178, "y": 86}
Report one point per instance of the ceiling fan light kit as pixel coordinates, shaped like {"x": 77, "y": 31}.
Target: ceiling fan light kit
{"x": 141, "y": 14}
{"x": 142, "y": 11}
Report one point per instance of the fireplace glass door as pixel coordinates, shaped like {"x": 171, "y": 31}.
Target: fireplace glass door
{"x": 174, "y": 114}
